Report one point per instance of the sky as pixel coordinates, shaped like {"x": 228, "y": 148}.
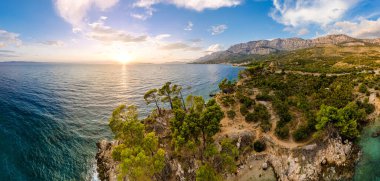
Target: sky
{"x": 158, "y": 31}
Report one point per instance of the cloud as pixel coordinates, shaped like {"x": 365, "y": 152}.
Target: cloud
{"x": 180, "y": 46}
{"x": 215, "y": 30}
{"x": 74, "y": 11}
{"x": 162, "y": 36}
{"x": 57, "y": 43}
{"x": 300, "y": 13}
{"x": 7, "y": 53}
{"x": 214, "y": 48}
{"x": 9, "y": 38}
{"x": 362, "y": 28}
{"x": 99, "y": 31}
{"x": 200, "y": 5}
{"x": 197, "y": 5}
{"x": 189, "y": 26}
{"x": 148, "y": 12}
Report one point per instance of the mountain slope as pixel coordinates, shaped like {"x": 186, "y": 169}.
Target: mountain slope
{"x": 265, "y": 47}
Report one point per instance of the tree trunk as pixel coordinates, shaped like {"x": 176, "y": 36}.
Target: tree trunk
{"x": 183, "y": 101}
{"x": 158, "y": 108}
{"x": 170, "y": 101}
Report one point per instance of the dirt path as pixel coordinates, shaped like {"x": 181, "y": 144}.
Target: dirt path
{"x": 377, "y": 72}
{"x": 274, "y": 119}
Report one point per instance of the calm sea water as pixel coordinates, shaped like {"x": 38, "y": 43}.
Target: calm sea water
{"x": 368, "y": 167}
{"x": 51, "y": 115}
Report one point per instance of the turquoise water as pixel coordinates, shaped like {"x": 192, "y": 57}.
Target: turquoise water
{"x": 51, "y": 115}
{"x": 368, "y": 169}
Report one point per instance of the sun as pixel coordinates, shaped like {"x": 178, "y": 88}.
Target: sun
{"x": 123, "y": 58}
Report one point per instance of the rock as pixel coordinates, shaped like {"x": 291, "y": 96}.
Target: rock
{"x": 264, "y": 47}
{"x": 264, "y": 166}
{"x": 324, "y": 161}
{"x": 250, "y": 166}
{"x": 106, "y": 167}
{"x": 376, "y": 134}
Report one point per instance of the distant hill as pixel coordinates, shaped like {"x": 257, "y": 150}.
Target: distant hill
{"x": 241, "y": 51}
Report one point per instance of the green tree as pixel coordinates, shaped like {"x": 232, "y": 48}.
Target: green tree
{"x": 209, "y": 123}
{"x": 207, "y": 173}
{"x": 345, "y": 120}
{"x": 152, "y": 96}
{"x": 138, "y": 152}
{"x": 168, "y": 92}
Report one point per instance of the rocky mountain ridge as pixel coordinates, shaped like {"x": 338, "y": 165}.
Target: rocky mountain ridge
{"x": 264, "y": 47}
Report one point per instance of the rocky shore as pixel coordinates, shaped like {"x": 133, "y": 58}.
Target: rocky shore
{"x": 331, "y": 159}
{"x": 106, "y": 166}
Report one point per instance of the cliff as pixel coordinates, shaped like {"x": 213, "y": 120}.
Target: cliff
{"x": 265, "y": 47}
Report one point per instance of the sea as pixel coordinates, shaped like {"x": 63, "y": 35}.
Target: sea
{"x": 52, "y": 114}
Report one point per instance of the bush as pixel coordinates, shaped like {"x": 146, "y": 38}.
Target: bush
{"x": 363, "y": 88}
{"x": 227, "y": 100}
{"x": 369, "y": 108}
{"x": 259, "y": 146}
{"x": 261, "y": 113}
{"x": 263, "y": 97}
{"x": 231, "y": 114}
{"x": 301, "y": 133}
{"x": 243, "y": 110}
{"x": 282, "y": 132}
{"x": 250, "y": 117}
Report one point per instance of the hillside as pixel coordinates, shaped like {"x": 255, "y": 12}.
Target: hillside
{"x": 258, "y": 49}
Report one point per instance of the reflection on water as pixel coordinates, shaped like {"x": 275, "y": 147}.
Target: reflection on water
{"x": 51, "y": 115}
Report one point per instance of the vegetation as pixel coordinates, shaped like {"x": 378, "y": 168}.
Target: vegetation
{"x": 345, "y": 120}
{"x": 139, "y": 155}
{"x": 231, "y": 114}
{"x": 227, "y": 86}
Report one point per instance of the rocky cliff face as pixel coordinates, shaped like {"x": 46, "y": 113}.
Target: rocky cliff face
{"x": 330, "y": 160}
{"x": 264, "y": 47}
{"x": 106, "y": 166}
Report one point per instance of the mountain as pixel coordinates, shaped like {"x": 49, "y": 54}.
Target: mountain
{"x": 265, "y": 47}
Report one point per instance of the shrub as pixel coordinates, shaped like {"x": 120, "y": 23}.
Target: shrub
{"x": 301, "y": 133}
{"x": 369, "y": 108}
{"x": 261, "y": 113}
{"x": 243, "y": 110}
{"x": 250, "y": 117}
{"x": 227, "y": 100}
{"x": 282, "y": 132}
{"x": 263, "y": 97}
{"x": 362, "y": 88}
{"x": 259, "y": 146}
{"x": 231, "y": 114}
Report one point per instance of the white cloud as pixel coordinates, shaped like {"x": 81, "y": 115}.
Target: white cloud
{"x": 197, "y": 5}
{"x": 145, "y": 15}
{"x": 214, "y": 48}
{"x": 162, "y": 36}
{"x": 218, "y": 29}
{"x": 74, "y": 11}
{"x": 182, "y": 46}
{"x": 99, "y": 31}
{"x": 9, "y": 38}
{"x": 300, "y": 13}
{"x": 189, "y": 26}
{"x": 362, "y": 28}
{"x": 57, "y": 43}
{"x": 200, "y": 5}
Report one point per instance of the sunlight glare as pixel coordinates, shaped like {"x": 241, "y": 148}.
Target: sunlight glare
{"x": 123, "y": 58}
